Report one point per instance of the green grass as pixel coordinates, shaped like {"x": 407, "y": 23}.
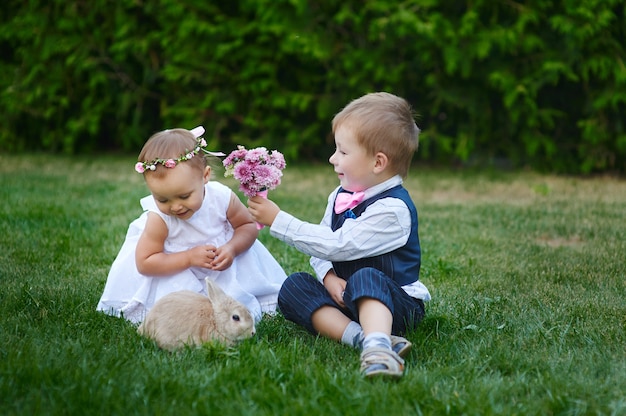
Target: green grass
{"x": 528, "y": 315}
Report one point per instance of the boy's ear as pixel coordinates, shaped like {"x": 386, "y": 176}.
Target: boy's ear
{"x": 381, "y": 161}
{"x": 207, "y": 174}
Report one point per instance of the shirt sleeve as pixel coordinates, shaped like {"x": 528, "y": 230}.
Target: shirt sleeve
{"x": 321, "y": 267}
{"x": 384, "y": 226}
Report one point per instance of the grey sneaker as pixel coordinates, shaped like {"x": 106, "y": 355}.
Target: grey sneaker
{"x": 381, "y": 362}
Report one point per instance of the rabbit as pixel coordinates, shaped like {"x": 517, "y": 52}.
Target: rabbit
{"x": 190, "y": 318}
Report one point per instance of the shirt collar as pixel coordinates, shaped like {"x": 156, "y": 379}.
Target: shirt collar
{"x": 382, "y": 187}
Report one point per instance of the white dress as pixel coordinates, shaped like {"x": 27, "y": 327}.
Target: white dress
{"x": 254, "y": 278}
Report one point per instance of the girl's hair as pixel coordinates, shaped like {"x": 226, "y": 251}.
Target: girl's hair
{"x": 382, "y": 122}
{"x": 171, "y": 144}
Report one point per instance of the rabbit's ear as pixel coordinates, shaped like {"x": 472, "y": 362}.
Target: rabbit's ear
{"x": 214, "y": 292}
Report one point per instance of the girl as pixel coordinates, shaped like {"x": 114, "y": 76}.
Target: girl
{"x": 191, "y": 229}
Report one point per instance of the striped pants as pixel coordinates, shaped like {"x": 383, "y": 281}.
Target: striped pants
{"x": 302, "y": 294}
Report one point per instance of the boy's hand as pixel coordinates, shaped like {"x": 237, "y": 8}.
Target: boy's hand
{"x": 263, "y": 210}
{"x": 335, "y": 286}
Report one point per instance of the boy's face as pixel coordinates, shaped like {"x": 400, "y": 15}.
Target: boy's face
{"x": 180, "y": 191}
{"x": 356, "y": 169}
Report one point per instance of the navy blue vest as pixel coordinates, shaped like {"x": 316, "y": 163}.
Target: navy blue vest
{"x": 402, "y": 264}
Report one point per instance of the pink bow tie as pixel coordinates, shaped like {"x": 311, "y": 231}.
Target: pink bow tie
{"x": 346, "y": 201}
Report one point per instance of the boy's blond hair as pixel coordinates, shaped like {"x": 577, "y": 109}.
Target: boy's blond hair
{"x": 383, "y": 122}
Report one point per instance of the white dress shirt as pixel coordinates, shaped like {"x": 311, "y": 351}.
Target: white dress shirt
{"x": 384, "y": 226}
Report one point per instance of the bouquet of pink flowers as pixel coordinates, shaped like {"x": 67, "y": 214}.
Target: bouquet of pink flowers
{"x": 257, "y": 170}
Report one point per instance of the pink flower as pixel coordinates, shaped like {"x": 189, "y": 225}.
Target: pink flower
{"x": 278, "y": 159}
{"x": 169, "y": 163}
{"x": 255, "y": 169}
{"x": 139, "y": 167}
{"x": 234, "y": 157}
{"x": 243, "y": 172}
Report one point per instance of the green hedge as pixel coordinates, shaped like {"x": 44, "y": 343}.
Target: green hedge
{"x": 533, "y": 83}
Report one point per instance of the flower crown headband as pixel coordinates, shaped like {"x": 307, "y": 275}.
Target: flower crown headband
{"x": 197, "y": 132}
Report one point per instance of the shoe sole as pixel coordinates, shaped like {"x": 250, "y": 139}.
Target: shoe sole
{"x": 383, "y": 374}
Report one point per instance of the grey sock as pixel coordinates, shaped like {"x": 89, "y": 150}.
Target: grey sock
{"x": 353, "y": 335}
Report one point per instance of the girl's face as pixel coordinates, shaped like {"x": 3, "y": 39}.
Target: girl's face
{"x": 351, "y": 162}
{"x": 180, "y": 191}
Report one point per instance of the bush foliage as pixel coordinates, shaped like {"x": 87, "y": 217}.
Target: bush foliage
{"x": 539, "y": 83}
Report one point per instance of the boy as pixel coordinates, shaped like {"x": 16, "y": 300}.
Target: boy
{"x": 366, "y": 250}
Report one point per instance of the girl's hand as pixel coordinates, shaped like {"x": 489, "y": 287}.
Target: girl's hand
{"x": 335, "y": 286}
{"x": 224, "y": 257}
{"x": 202, "y": 256}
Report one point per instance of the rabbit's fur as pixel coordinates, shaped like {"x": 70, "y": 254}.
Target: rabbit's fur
{"x": 189, "y": 318}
